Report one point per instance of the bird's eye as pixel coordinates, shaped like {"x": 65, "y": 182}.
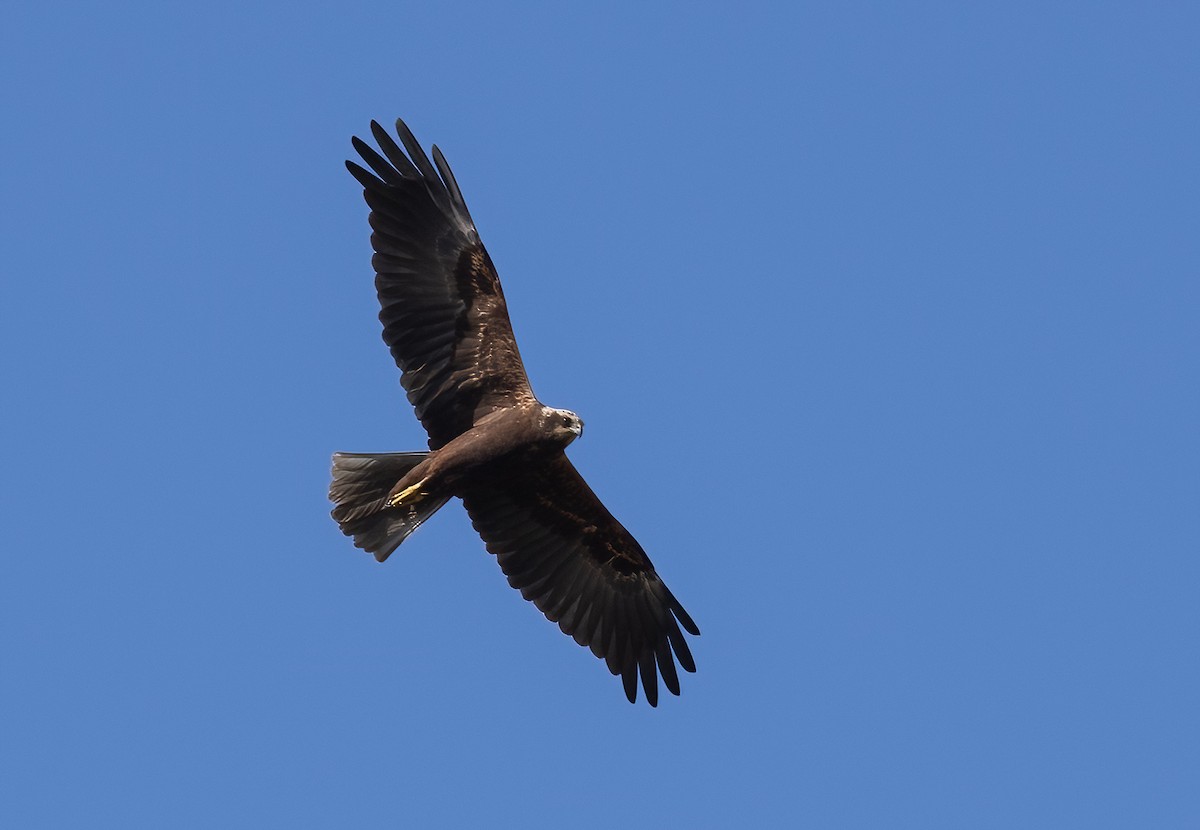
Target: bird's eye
{"x": 566, "y": 422}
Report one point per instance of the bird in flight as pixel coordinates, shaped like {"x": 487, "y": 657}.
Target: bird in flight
{"x": 491, "y": 442}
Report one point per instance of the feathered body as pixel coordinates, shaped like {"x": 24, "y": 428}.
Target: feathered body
{"x": 491, "y": 442}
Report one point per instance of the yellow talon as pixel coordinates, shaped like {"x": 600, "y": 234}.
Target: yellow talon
{"x": 399, "y": 498}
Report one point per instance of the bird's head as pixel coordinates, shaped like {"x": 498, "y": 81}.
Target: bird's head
{"x": 562, "y": 424}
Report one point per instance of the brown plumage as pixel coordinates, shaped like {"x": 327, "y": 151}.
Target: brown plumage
{"x": 492, "y": 443}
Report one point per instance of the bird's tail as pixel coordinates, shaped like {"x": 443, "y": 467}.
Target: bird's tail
{"x": 359, "y": 491}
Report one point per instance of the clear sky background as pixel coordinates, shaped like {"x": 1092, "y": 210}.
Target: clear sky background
{"x": 885, "y": 322}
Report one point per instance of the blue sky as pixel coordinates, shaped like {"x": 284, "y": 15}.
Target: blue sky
{"x": 884, "y": 322}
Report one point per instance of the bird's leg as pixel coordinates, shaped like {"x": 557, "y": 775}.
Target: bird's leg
{"x": 396, "y": 499}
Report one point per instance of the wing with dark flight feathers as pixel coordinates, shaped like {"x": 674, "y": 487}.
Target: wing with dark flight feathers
{"x": 442, "y": 309}
{"x": 564, "y": 551}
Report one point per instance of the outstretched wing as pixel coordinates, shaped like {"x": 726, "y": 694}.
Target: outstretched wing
{"x": 443, "y": 313}
{"x": 564, "y": 551}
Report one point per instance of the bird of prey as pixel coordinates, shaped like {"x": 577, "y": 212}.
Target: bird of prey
{"x": 491, "y": 442}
